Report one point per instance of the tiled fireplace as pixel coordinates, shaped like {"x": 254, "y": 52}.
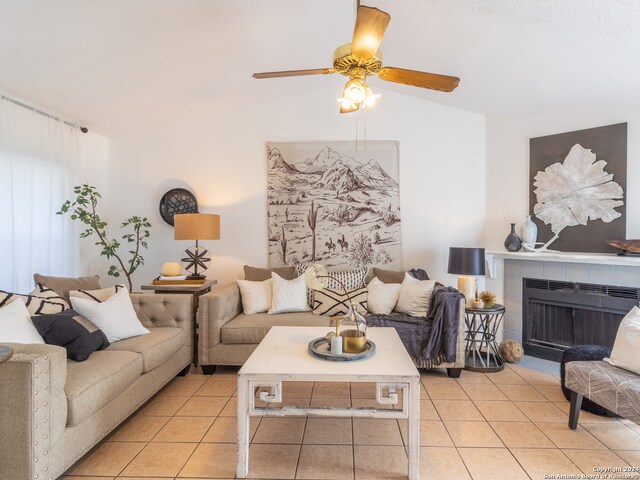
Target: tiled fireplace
{"x": 595, "y": 275}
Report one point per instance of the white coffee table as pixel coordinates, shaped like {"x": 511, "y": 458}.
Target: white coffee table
{"x": 283, "y": 356}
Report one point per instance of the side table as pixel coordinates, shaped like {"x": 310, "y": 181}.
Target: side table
{"x": 5, "y": 353}
{"x": 481, "y": 352}
{"x": 195, "y": 291}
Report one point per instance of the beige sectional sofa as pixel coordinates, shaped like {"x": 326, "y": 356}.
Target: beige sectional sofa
{"x": 54, "y": 410}
{"x": 228, "y": 336}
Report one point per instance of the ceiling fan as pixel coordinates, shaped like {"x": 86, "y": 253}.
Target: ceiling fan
{"x": 362, "y": 58}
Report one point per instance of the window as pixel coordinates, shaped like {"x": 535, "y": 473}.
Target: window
{"x": 37, "y": 159}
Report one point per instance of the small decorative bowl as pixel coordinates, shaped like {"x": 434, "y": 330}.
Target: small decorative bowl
{"x": 476, "y": 304}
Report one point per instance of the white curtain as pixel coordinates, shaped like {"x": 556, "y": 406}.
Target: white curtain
{"x": 39, "y": 163}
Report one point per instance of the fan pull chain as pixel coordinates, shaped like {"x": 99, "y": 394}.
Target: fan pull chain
{"x": 365, "y": 129}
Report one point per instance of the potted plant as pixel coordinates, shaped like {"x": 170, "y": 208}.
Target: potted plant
{"x": 84, "y": 209}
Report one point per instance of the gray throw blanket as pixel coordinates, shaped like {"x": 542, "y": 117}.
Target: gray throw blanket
{"x": 430, "y": 340}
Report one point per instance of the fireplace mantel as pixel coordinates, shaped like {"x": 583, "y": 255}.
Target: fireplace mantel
{"x": 561, "y": 257}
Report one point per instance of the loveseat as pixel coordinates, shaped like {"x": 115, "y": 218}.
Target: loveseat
{"x": 54, "y": 410}
{"x": 228, "y": 336}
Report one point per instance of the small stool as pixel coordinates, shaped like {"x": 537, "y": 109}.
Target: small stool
{"x": 584, "y": 353}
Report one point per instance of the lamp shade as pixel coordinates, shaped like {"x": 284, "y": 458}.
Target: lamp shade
{"x": 466, "y": 261}
{"x": 196, "y": 226}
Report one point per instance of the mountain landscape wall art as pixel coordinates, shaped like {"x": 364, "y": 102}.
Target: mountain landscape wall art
{"x": 331, "y": 203}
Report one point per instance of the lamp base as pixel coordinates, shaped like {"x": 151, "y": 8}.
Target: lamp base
{"x": 195, "y": 261}
{"x": 467, "y": 287}
{"x": 196, "y": 277}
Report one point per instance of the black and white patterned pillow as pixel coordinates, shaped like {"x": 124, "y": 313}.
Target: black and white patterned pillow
{"x": 41, "y": 301}
{"x": 350, "y": 279}
{"x": 336, "y": 302}
{"x": 99, "y": 296}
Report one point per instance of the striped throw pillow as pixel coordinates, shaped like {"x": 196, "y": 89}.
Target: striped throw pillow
{"x": 42, "y": 301}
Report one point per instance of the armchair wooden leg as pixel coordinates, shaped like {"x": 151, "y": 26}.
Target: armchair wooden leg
{"x": 454, "y": 372}
{"x": 574, "y": 409}
{"x": 184, "y": 371}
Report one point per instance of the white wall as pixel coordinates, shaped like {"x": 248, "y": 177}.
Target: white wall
{"x": 221, "y": 157}
{"x": 508, "y": 168}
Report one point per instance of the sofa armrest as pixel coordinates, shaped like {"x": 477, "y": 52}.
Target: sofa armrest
{"x": 33, "y": 409}
{"x": 215, "y": 309}
{"x": 462, "y": 335}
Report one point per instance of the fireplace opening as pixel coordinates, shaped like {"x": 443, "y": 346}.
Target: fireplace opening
{"x": 557, "y": 315}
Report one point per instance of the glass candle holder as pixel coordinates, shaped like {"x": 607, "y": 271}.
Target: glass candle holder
{"x": 353, "y": 330}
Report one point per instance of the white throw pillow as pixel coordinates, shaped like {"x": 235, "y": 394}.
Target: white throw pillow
{"x": 256, "y": 296}
{"x": 288, "y": 295}
{"x": 382, "y": 297}
{"x": 415, "y": 296}
{"x": 16, "y": 325}
{"x": 626, "y": 348}
{"x": 115, "y": 316}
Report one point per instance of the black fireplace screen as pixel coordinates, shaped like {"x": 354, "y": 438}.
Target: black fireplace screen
{"x": 558, "y": 315}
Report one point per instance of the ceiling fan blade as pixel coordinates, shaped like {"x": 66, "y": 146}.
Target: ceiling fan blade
{"x": 432, "y": 81}
{"x": 371, "y": 24}
{"x": 294, "y": 73}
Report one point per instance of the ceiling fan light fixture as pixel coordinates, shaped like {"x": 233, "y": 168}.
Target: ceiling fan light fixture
{"x": 355, "y": 91}
{"x": 370, "y": 98}
{"x": 347, "y": 104}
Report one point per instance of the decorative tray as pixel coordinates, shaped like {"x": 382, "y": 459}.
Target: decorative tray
{"x": 320, "y": 348}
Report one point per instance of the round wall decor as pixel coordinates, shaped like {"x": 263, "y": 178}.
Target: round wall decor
{"x": 175, "y": 201}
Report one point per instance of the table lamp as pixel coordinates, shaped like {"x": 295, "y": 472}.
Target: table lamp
{"x": 466, "y": 262}
{"x": 196, "y": 226}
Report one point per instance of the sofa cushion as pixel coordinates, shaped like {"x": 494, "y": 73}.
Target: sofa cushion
{"x": 253, "y": 328}
{"x": 155, "y": 347}
{"x": 98, "y": 380}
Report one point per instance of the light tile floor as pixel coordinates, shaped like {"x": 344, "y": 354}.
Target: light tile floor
{"x": 507, "y": 425}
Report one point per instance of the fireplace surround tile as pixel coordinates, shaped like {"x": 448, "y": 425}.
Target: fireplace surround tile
{"x": 602, "y": 274}
{"x": 553, "y": 271}
{"x": 576, "y": 272}
{"x": 628, "y": 276}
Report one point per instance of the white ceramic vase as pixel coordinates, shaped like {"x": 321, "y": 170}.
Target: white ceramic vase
{"x": 529, "y": 232}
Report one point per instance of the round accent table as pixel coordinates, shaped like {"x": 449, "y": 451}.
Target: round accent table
{"x": 5, "y": 353}
{"x": 481, "y": 351}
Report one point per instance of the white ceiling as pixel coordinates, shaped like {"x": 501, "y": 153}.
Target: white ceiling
{"x": 121, "y": 64}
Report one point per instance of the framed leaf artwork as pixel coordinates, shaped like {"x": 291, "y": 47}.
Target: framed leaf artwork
{"x": 577, "y": 188}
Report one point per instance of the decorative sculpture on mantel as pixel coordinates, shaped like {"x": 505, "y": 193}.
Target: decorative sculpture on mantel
{"x": 575, "y": 191}
{"x": 627, "y": 247}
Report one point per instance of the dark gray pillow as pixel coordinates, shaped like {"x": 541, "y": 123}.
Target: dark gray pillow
{"x": 72, "y": 331}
